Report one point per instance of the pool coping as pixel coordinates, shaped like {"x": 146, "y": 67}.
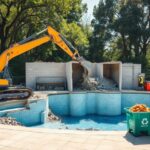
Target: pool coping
{"x": 84, "y": 92}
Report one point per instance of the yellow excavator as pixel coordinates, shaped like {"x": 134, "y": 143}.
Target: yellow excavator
{"x": 7, "y": 91}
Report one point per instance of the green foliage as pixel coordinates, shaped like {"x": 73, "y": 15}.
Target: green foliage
{"x": 76, "y": 36}
{"x": 113, "y": 52}
{"x": 121, "y": 31}
{"x": 133, "y": 26}
{"x": 104, "y": 15}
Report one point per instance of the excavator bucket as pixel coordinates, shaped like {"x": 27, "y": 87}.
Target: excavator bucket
{"x": 85, "y": 64}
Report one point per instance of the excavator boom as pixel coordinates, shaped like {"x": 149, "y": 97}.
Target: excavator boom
{"x": 25, "y": 46}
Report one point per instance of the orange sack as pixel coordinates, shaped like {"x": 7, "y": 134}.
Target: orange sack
{"x": 140, "y": 108}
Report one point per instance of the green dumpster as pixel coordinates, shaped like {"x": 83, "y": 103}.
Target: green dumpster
{"x": 138, "y": 123}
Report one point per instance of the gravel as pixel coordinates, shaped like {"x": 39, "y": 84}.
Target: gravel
{"x": 97, "y": 84}
{"x": 52, "y": 117}
{"x": 9, "y": 121}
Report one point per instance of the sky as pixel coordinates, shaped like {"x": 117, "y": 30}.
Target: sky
{"x": 90, "y": 4}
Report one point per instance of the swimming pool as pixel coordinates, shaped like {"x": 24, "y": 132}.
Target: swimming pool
{"x": 95, "y": 111}
{"x": 78, "y": 110}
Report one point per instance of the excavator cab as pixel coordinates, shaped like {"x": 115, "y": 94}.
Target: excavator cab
{"x": 4, "y": 84}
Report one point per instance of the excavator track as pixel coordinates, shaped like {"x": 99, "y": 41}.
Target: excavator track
{"x": 15, "y": 94}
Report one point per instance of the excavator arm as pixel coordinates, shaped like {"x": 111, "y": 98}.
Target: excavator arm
{"x": 28, "y": 44}
{"x": 23, "y": 47}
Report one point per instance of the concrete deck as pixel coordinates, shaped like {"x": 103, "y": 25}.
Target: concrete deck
{"x": 22, "y": 138}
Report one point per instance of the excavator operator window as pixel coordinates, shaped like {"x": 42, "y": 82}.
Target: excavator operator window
{"x": 1, "y": 75}
{"x": 6, "y": 75}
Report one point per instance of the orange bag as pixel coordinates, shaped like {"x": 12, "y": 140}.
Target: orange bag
{"x": 140, "y": 108}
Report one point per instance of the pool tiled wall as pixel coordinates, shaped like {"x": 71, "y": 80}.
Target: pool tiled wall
{"x": 35, "y": 113}
{"x": 108, "y": 104}
{"x": 91, "y": 103}
{"x": 77, "y": 104}
{"x": 80, "y": 104}
{"x": 129, "y": 100}
{"x": 59, "y": 104}
{"x": 83, "y": 104}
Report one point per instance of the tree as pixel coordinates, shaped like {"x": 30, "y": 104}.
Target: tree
{"x": 133, "y": 27}
{"x": 17, "y": 17}
{"x": 104, "y": 15}
{"x": 76, "y": 12}
{"x": 125, "y": 24}
{"x": 113, "y": 50}
{"x": 76, "y": 35}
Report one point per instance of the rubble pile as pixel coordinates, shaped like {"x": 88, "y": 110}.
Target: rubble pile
{"x": 37, "y": 95}
{"x": 107, "y": 84}
{"x": 9, "y": 121}
{"x": 97, "y": 84}
{"x": 88, "y": 83}
{"x": 52, "y": 117}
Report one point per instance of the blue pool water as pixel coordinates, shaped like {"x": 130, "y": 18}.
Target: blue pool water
{"x": 91, "y": 122}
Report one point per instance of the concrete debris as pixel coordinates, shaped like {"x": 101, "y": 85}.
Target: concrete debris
{"x": 52, "y": 117}
{"x": 9, "y": 121}
{"x": 88, "y": 129}
{"x": 88, "y": 83}
{"x": 97, "y": 84}
{"x": 107, "y": 84}
{"x": 38, "y": 96}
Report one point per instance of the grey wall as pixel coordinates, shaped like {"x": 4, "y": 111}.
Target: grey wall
{"x": 130, "y": 74}
{"x": 43, "y": 69}
{"x": 99, "y": 70}
{"x": 69, "y": 76}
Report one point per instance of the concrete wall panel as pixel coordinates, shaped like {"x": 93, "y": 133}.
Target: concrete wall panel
{"x": 130, "y": 74}
{"x": 69, "y": 76}
{"x": 43, "y": 69}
